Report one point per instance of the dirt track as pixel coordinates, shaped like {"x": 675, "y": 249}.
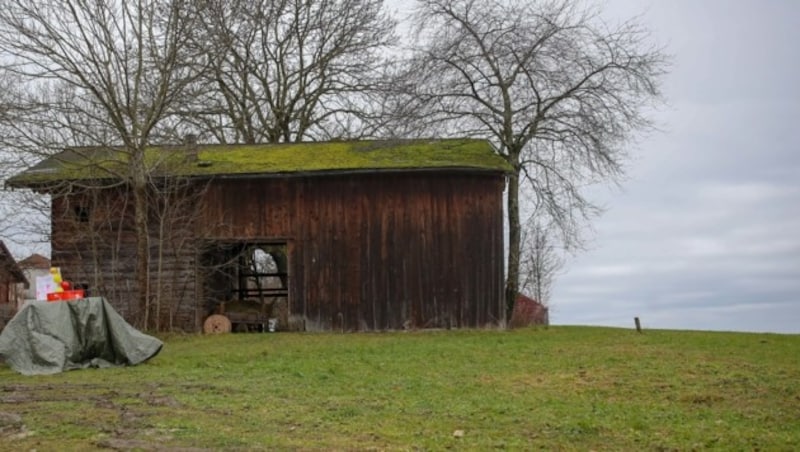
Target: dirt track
{"x": 130, "y": 424}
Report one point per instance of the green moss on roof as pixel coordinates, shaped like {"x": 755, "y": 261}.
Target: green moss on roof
{"x": 271, "y": 159}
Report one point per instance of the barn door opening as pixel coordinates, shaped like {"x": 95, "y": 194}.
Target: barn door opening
{"x": 248, "y": 282}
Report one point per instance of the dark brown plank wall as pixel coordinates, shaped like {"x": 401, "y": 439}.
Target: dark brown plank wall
{"x": 377, "y": 251}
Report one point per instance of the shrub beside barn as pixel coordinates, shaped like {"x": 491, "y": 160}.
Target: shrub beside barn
{"x": 342, "y": 236}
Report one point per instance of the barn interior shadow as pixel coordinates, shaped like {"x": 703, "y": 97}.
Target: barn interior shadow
{"x": 248, "y": 282}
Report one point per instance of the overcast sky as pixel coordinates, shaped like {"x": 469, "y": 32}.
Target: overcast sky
{"x": 705, "y": 232}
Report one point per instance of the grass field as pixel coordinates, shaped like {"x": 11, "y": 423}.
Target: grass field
{"x": 567, "y": 388}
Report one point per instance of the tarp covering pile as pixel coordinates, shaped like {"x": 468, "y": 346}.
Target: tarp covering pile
{"x": 48, "y": 338}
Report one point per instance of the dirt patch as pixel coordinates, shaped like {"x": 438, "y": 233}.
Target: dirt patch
{"x": 126, "y": 444}
{"x": 141, "y": 445}
{"x": 11, "y": 426}
{"x": 122, "y": 423}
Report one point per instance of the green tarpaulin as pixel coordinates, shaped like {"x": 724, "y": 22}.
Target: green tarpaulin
{"x": 48, "y": 338}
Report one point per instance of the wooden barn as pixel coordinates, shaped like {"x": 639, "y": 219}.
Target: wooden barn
{"x": 341, "y": 236}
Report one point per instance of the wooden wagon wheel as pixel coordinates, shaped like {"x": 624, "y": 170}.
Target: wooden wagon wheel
{"x": 216, "y": 324}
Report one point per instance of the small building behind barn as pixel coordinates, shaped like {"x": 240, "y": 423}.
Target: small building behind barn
{"x": 529, "y": 312}
{"x": 32, "y": 267}
{"x": 336, "y": 236}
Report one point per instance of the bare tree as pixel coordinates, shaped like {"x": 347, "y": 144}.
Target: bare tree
{"x": 118, "y": 68}
{"x": 559, "y": 92}
{"x": 179, "y": 238}
{"x": 540, "y": 259}
{"x": 21, "y": 213}
{"x": 287, "y": 70}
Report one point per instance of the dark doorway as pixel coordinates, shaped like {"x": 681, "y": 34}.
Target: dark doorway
{"x": 249, "y": 283}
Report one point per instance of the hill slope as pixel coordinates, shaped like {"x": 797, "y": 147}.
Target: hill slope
{"x": 558, "y": 388}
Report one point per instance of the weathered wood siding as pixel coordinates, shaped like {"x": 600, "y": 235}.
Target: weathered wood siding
{"x": 93, "y": 240}
{"x": 5, "y": 287}
{"x": 97, "y": 250}
{"x": 377, "y": 251}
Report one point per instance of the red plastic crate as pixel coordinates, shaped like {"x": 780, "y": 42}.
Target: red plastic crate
{"x": 65, "y": 295}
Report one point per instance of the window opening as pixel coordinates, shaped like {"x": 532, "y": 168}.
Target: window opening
{"x": 82, "y": 214}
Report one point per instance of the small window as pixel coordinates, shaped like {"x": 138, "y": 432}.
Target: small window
{"x": 82, "y": 214}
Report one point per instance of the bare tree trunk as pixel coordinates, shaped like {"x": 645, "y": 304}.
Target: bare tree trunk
{"x": 160, "y": 264}
{"x": 139, "y": 183}
{"x": 512, "y": 273}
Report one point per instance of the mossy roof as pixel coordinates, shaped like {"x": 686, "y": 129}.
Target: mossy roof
{"x": 266, "y": 160}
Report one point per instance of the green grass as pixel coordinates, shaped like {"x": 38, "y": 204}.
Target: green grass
{"x": 562, "y": 388}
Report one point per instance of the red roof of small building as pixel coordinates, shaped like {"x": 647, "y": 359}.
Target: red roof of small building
{"x": 522, "y": 298}
{"x": 35, "y": 261}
